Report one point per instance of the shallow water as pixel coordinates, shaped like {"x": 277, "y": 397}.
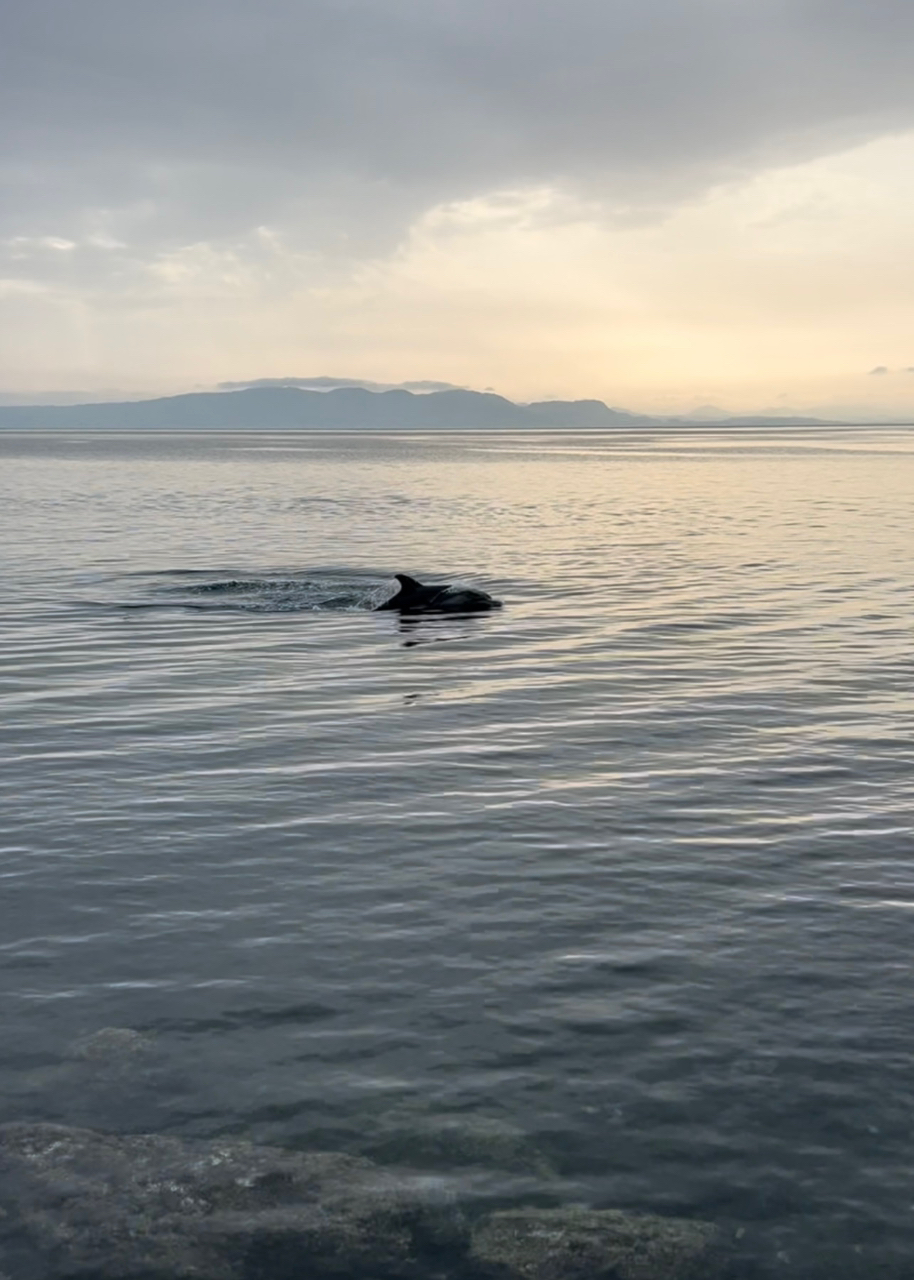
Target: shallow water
{"x": 618, "y": 880}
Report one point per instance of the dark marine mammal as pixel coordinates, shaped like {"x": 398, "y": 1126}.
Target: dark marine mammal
{"x": 414, "y": 597}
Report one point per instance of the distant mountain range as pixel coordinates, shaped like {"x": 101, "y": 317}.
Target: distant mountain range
{"x": 288, "y": 407}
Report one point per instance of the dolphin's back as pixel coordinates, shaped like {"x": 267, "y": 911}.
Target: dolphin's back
{"x": 412, "y": 594}
{"x": 462, "y": 600}
{"x": 414, "y": 597}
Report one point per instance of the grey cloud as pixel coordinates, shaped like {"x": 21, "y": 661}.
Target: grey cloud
{"x": 880, "y": 369}
{"x": 333, "y": 384}
{"x": 339, "y": 119}
{"x": 428, "y": 384}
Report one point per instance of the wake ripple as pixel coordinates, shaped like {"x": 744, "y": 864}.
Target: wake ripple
{"x": 342, "y": 591}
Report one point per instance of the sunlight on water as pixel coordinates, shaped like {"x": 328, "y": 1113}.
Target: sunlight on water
{"x": 626, "y": 867}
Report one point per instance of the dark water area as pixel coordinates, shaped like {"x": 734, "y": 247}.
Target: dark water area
{"x": 607, "y": 897}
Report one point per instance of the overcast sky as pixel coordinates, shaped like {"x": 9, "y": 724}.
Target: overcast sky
{"x": 662, "y": 203}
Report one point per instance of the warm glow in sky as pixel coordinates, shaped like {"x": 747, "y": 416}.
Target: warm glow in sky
{"x": 663, "y": 205}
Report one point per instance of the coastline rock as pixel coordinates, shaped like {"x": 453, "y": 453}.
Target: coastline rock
{"x": 574, "y": 1243}
{"x": 83, "y": 1203}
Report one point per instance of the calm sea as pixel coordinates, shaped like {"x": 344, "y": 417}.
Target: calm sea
{"x": 606, "y": 897}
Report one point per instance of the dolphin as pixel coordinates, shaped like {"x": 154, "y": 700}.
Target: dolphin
{"x": 413, "y": 597}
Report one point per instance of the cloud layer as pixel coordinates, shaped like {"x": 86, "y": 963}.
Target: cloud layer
{"x": 193, "y": 118}
{"x": 304, "y": 136}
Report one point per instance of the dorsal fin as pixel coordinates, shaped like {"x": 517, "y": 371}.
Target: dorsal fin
{"x": 407, "y": 583}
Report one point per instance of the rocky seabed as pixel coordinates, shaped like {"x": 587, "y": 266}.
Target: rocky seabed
{"x": 84, "y": 1205}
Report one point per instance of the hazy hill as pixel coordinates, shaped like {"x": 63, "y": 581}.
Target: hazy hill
{"x": 280, "y": 408}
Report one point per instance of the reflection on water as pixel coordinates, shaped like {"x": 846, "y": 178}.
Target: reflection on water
{"x": 623, "y": 872}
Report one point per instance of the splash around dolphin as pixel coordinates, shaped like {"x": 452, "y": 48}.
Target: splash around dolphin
{"x": 414, "y": 597}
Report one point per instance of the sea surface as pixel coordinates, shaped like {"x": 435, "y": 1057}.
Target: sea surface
{"x": 605, "y": 897}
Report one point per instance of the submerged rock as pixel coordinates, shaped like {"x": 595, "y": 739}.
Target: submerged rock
{"x": 108, "y": 1069}
{"x": 585, "y": 1244}
{"x": 79, "y": 1202}
{"x": 109, "y": 1045}
{"x": 81, "y": 1205}
{"x": 444, "y": 1142}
